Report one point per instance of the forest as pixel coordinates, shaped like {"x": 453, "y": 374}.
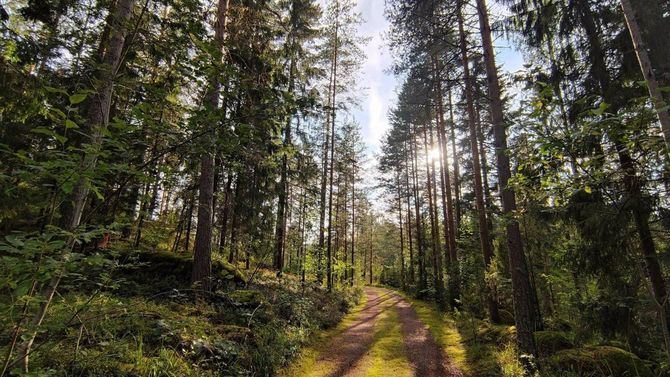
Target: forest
{"x": 187, "y": 188}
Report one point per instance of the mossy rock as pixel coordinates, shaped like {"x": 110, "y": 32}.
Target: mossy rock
{"x": 246, "y": 298}
{"x": 599, "y": 361}
{"x": 228, "y": 271}
{"x": 164, "y": 271}
{"x": 558, "y": 324}
{"x": 550, "y": 342}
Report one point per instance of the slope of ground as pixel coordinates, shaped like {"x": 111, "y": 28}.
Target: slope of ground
{"x": 144, "y": 321}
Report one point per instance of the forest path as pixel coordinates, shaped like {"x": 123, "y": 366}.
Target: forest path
{"x": 382, "y": 337}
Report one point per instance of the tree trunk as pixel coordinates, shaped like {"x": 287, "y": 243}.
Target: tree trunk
{"x": 457, "y": 174}
{"x": 647, "y": 70}
{"x": 353, "y": 227}
{"x": 202, "y": 255}
{"x": 423, "y": 280}
{"x": 488, "y": 198}
{"x": 484, "y": 237}
{"x": 187, "y": 240}
{"x": 329, "y": 262}
{"x": 142, "y": 214}
{"x": 324, "y": 180}
{"x": 434, "y": 228}
{"x": 336, "y": 243}
{"x": 524, "y": 313}
{"x": 345, "y": 230}
{"x": 409, "y": 223}
{"x": 303, "y": 256}
{"x": 280, "y": 230}
{"x": 447, "y": 203}
{"x": 370, "y": 264}
{"x": 97, "y": 116}
{"x": 234, "y": 226}
{"x": 225, "y": 213}
{"x": 632, "y": 183}
{"x": 180, "y": 228}
{"x": 402, "y": 239}
{"x": 97, "y": 119}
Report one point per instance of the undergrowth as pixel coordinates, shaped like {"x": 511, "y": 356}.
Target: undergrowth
{"x": 482, "y": 349}
{"x": 150, "y": 324}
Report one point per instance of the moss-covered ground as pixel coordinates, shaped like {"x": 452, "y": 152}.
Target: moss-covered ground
{"x": 147, "y": 321}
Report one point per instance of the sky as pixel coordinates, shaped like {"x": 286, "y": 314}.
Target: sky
{"x": 380, "y": 85}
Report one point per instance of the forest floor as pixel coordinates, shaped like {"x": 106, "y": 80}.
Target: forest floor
{"x": 383, "y": 336}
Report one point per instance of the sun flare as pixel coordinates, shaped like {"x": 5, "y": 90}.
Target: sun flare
{"x": 434, "y": 154}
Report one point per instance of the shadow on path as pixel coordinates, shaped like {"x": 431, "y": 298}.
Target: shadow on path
{"x": 347, "y": 349}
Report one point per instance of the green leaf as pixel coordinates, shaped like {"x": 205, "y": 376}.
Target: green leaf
{"x": 48, "y": 132}
{"x": 22, "y": 288}
{"x": 601, "y": 109}
{"x": 67, "y": 187}
{"x": 77, "y": 98}
{"x": 54, "y": 90}
{"x": 97, "y": 192}
{"x": 70, "y": 124}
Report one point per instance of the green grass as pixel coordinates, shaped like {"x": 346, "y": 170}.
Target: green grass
{"x": 444, "y": 331}
{"x": 474, "y": 346}
{"x": 386, "y": 356}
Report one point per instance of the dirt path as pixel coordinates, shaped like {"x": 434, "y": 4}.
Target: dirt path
{"x": 350, "y": 346}
{"x": 427, "y": 357}
{"x": 345, "y": 354}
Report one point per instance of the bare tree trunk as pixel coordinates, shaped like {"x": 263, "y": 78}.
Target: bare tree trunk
{"x": 423, "y": 280}
{"x": 202, "y": 255}
{"x": 280, "y": 229}
{"x": 232, "y": 254}
{"x": 353, "y": 227}
{"x": 189, "y": 222}
{"x": 647, "y": 70}
{"x": 523, "y": 292}
{"x": 329, "y": 262}
{"x": 344, "y": 230}
{"x": 409, "y": 224}
{"x": 225, "y": 211}
{"x": 370, "y": 264}
{"x": 434, "y": 228}
{"x": 484, "y": 237}
{"x": 180, "y": 228}
{"x": 324, "y": 179}
{"x": 488, "y": 198}
{"x": 338, "y": 206}
{"x": 457, "y": 174}
{"x": 141, "y": 215}
{"x": 447, "y": 203}
{"x": 303, "y": 256}
{"x": 402, "y": 239}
